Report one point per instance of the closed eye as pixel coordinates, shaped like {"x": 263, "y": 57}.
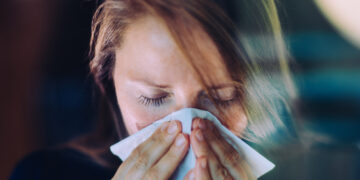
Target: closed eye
{"x": 158, "y": 101}
{"x": 225, "y": 96}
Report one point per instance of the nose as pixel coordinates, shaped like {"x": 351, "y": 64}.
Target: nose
{"x": 188, "y": 100}
{"x": 192, "y": 102}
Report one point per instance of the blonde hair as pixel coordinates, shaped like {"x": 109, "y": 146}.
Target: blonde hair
{"x": 259, "y": 65}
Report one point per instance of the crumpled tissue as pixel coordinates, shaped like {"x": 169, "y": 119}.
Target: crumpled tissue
{"x": 258, "y": 164}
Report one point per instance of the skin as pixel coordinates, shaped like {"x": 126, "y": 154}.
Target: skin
{"x": 150, "y": 66}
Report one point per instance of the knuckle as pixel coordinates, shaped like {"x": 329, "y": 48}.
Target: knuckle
{"x": 134, "y": 154}
{"x": 152, "y": 174}
{"x": 231, "y": 158}
{"x": 155, "y": 136}
{"x": 129, "y": 175}
{"x": 142, "y": 161}
{"x": 220, "y": 173}
{"x": 137, "y": 151}
{"x": 158, "y": 138}
{"x": 223, "y": 174}
{"x": 172, "y": 155}
{"x": 218, "y": 168}
{"x": 140, "y": 164}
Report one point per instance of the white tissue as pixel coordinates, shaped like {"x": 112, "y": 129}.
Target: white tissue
{"x": 258, "y": 164}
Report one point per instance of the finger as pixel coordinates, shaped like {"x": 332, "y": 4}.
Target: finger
{"x": 198, "y": 143}
{"x": 197, "y": 123}
{"x": 226, "y": 154}
{"x": 190, "y": 175}
{"x": 201, "y": 169}
{"x": 201, "y": 149}
{"x": 150, "y": 151}
{"x": 166, "y": 166}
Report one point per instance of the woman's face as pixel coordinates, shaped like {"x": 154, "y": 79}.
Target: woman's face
{"x": 152, "y": 77}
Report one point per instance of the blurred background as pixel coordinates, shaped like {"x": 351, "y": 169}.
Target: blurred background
{"x": 46, "y": 93}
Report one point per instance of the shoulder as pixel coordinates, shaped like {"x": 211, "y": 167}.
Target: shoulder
{"x": 63, "y": 163}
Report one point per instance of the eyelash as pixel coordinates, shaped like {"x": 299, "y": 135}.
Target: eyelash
{"x": 161, "y": 100}
{"x": 152, "y": 101}
{"x": 226, "y": 103}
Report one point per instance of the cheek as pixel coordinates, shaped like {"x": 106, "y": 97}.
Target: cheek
{"x": 135, "y": 115}
{"x": 235, "y": 119}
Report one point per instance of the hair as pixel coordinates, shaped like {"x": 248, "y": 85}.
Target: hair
{"x": 258, "y": 63}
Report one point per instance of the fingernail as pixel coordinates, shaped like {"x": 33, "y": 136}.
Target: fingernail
{"x": 199, "y": 136}
{"x": 203, "y": 163}
{"x": 195, "y": 123}
{"x": 202, "y": 124}
{"x": 172, "y": 127}
{"x": 180, "y": 140}
{"x": 192, "y": 176}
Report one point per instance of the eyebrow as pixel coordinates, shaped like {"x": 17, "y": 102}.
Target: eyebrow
{"x": 221, "y": 86}
{"x": 150, "y": 83}
{"x": 162, "y": 86}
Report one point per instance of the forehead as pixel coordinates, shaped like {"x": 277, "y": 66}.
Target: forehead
{"x": 149, "y": 46}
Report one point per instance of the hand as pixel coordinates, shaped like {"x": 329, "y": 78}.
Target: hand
{"x": 216, "y": 159}
{"x": 158, "y": 156}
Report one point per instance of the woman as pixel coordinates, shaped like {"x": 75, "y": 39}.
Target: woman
{"x": 153, "y": 57}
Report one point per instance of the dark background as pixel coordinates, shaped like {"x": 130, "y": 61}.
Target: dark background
{"x": 47, "y": 98}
